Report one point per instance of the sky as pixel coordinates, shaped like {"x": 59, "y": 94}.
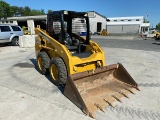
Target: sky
{"x": 108, "y": 8}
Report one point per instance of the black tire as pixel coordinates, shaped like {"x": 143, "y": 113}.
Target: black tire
{"x": 15, "y": 41}
{"x": 61, "y": 71}
{"x": 157, "y": 38}
{"x": 3, "y": 44}
{"x": 43, "y": 61}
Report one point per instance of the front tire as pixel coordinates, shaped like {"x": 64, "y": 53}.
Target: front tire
{"x": 58, "y": 71}
{"x": 43, "y": 61}
{"x": 15, "y": 41}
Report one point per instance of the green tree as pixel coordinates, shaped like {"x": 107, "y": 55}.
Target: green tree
{"x": 15, "y": 11}
{"x": 37, "y": 12}
{"x": 26, "y": 11}
{"x": 158, "y": 26}
{"x": 20, "y": 11}
{"x": 42, "y": 11}
{"x": 4, "y": 10}
{"x": 9, "y": 11}
{"x": 49, "y": 11}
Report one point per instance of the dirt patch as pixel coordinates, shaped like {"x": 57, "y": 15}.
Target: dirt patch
{"x": 24, "y": 65}
{"x": 22, "y": 51}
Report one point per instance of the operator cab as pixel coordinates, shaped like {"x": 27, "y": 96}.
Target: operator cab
{"x": 66, "y": 27}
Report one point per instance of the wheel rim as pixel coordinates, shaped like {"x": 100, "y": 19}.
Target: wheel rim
{"x": 40, "y": 63}
{"x": 54, "y": 72}
{"x": 16, "y": 41}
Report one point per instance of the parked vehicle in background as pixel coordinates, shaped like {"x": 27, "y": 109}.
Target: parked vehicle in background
{"x": 10, "y": 34}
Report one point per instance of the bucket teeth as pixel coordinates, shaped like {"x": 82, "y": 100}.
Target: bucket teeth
{"x": 124, "y": 94}
{"x": 109, "y": 103}
{"x": 117, "y": 98}
{"x": 103, "y": 110}
{"x": 130, "y": 91}
{"x": 138, "y": 89}
{"x": 92, "y": 115}
{"x": 85, "y": 112}
{"x": 100, "y": 107}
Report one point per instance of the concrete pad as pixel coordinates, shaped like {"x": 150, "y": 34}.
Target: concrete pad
{"x": 28, "y": 95}
{"x": 27, "y": 41}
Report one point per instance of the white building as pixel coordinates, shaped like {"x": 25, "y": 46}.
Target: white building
{"x": 97, "y": 21}
{"x": 127, "y": 25}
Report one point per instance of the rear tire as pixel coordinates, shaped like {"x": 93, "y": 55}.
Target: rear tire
{"x": 58, "y": 71}
{"x": 43, "y": 61}
{"x": 15, "y": 41}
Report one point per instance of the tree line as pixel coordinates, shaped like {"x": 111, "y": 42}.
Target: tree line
{"x": 158, "y": 26}
{"x": 13, "y": 11}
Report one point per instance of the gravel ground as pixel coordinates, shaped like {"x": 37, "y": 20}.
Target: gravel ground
{"x": 25, "y": 94}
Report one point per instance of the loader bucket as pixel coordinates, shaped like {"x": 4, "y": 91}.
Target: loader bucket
{"x": 94, "y": 90}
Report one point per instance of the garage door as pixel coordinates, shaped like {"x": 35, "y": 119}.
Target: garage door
{"x": 114, "y": 29}
{"x": 130, "y": 28}
{"x": 123, "y": 28}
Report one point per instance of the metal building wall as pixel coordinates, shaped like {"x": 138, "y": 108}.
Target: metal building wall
{"x": 130, "y": 29}
{"x": 114, "y": 28}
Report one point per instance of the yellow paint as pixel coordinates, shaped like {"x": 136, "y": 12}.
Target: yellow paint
{"x": 74, "y": 64}
{"x": 157, "y": 34}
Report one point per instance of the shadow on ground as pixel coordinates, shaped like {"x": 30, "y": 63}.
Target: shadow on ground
{"x": 34, "y": 62}
{"x": 156, "y": 43}
{"x": 5, "y": 44}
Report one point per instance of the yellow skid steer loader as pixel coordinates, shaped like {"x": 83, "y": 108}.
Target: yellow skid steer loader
{"x": 157, "y": 35}
{"x": 79, "y": 63}
{"x": 104, "y": 32}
